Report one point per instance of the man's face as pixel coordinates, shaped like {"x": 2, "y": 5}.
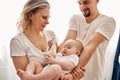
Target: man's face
{"x": 87, "y": 7}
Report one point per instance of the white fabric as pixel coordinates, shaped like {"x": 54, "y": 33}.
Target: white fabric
{"x": 71, "y": 58}
{"x": 21, "y": 46}
{"x": 105, "y": 26}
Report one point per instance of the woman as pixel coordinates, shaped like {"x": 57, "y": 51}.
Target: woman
{"x": 31, "y": 43}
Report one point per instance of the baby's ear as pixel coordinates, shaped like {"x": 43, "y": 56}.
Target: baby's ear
{"x": 78, "y": 52}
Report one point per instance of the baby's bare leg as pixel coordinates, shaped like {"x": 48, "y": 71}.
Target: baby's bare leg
{"x": 51, "y": 72}
{"x": 38, "y": 69}
{"x": 34, "y": 67}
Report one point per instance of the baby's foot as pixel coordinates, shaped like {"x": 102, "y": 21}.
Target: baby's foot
{"x": 20, "y": 73}
{"x": 25, "y": 75}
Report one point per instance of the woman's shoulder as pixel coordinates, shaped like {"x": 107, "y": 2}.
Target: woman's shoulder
{"x": 18, "y": 36}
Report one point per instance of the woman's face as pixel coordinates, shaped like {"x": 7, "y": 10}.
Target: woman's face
{"x": 39, "y": 20}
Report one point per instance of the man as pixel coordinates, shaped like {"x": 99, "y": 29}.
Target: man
{"x": 94, "y": 30}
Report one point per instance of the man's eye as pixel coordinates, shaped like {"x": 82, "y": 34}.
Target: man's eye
{"x": 86, "y": 2}
{"x": 44, "y": 17}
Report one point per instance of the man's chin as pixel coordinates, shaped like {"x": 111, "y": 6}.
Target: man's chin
{"x": 86, "y": 14}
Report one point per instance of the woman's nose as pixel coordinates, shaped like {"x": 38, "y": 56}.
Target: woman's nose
{"x": 47, "y": 21}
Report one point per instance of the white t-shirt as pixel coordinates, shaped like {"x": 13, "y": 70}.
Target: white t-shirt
{"x": 21, "y": 46}
{"x": 105, "y": 26}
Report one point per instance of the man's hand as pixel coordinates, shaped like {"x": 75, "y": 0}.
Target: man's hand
{"x": 66, "y": 77}
{"x": 78, "y": 73}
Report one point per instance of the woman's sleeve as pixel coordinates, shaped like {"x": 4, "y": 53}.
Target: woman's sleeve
{"x": 16, "y": 48}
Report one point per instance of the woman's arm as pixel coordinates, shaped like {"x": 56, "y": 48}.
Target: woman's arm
{"x": 20, "y": 62}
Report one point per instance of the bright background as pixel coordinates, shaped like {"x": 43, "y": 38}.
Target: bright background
{"x": 61, "y": 11}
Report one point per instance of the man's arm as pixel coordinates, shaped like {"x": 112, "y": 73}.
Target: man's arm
{"x": 87, "y": 53}
{"x": 90, "y": 47}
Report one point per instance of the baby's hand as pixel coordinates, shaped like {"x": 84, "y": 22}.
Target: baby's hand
{"x": 50, "y": 59}
{"x": 50, "y": 43}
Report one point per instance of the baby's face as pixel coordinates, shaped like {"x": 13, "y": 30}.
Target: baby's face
{"x": 69, "y": 48}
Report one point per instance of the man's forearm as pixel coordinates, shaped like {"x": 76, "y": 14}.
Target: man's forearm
{"x": 86, "y": 55}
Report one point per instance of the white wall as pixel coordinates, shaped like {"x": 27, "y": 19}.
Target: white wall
{"x": 61, "y": 11}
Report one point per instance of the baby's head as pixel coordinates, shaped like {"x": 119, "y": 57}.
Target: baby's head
{"x": 72, "y": 46}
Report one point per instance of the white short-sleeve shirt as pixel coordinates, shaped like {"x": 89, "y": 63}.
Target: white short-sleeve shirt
{"x": 105, "y": 26}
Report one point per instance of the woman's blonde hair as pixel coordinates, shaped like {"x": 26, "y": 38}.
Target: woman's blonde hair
{"x": 31, "y": 6}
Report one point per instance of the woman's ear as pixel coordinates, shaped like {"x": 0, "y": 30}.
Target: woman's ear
{"x": 30, "y": 16}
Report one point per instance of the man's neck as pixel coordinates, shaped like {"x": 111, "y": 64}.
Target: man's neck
{"x": 92, "y": 17}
